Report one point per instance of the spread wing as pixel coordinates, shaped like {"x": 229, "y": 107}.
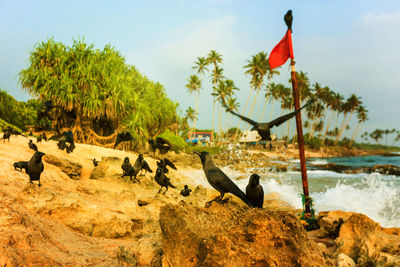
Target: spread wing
{"x": 243, "y": 117}
{"x": 278, "y": 121}
{"x": 169, "y": 163}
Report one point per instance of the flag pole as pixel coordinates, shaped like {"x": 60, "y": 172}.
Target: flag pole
{"x": 299, "y": 127}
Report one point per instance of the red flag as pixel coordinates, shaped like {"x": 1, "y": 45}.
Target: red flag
{"x": 282, "y": 51}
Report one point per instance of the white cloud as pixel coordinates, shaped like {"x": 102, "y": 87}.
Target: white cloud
{"x": 383, "y": 18}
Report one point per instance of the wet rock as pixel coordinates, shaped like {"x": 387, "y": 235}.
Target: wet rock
{"x": 228, "y": 235}
{"x": 108, "y": 166}
{"x": 386, "y": 169}
{"x": 367, "y": 243}
{"x": 72, "y": 169}
{"x": 331, "y": 221}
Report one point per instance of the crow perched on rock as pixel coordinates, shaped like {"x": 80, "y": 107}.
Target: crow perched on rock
{"x": 164, "y": 163}
{"x": 289, "y": 19}
{"x": 32, "y": 146}
{"x": 161, "y": 144}
{"x": 219, "y": 180}
{"x": 35, "y": 167}
{"x": 122, "y": 137}
{"x": 186, "y": 191}
{"x": 162, "y": 180}
{"x": 255, "y": 192}
{"x": 263, "y": 128}
{"x": 21, "y": 165}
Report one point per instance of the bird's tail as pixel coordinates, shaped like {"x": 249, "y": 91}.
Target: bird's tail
{"x": 239, "y": 193}
{"x": 169, "y": 184}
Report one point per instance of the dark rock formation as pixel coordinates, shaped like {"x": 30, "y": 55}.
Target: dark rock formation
{"x": 386, "y": 169}
{"x": 72, "y": 169}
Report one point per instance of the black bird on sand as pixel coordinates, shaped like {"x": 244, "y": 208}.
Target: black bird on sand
{"x": 255, "y": 192}
{"x": 126, "y": 165}
{"x": 6, "y": 135}
{"x": 95, "y": 162}
{"x": 30, "y": 133}
{"x": 186, "y": 191}
{"x": 163, "y": 145}
{"x": 263, "y": 128}
{"x": 289, "y": 19}
{"x": 35, "y": 167}
{"x": 44, "y": 136}
{"x": 21, "y": 165}
{"x": 32, "y": 146}
{"x": 39, "y": 139}
{"x": 162, "y": 180}
{"x": 164, "y": 163}
{"x": 219, "y": 180}
{"x": 130, "y": 170}
{"x": 122, "y": 137}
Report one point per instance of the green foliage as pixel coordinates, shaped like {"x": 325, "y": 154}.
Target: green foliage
{"x": 312, "y": 142}
{"x": 15, "y": 112}
{"x": 96, "y": 89}
{"x": 4, "y": 124}
{"x": 177, "y": 142}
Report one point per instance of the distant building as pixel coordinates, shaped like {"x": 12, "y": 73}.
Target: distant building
{"x": 203, "y": 137}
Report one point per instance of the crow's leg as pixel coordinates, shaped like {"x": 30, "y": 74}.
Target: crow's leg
{"x": 165, "y": 190}
{"x": 159, "y": 190}
{"x": 40, "y": 183}
{"x": 218, "y": 198}
{"x": 136, "y": 179}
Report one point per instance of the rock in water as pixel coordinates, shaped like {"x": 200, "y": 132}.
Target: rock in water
{"x": 226, "y": 236}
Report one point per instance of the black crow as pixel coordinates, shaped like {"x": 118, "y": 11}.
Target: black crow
{"x": 289, "y": 19}
{"x": 32, "y": 146}
{"x": 164, "y": 163}
{"x": 21, "y": 165}
{"x": 219, "y": 180}
{"x": 186, "y": 191}
{"x": 122, "y": 137}
{"x": 162, "y": 180}
{"x": 254, "y": 191}
{"x": 35, "y": 167}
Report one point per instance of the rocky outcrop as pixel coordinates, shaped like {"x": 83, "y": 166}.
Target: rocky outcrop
{"x": 72, "y": 169}
{"x": 365, "y": 241}
{"x": 228, "y": 235}
{"x": 108, "y": 166}
{"x": 386, "y": 169}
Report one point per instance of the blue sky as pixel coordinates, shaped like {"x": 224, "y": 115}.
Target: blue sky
{"x": 350, "y": 46}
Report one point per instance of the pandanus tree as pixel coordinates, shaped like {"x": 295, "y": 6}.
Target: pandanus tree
{"x": 94, "y": 92}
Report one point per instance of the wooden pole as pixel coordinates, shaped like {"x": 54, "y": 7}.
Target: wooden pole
{"x": 300, "y": 139}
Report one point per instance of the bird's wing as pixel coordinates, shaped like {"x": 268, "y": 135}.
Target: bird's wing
{"x": 118, "y": 140}
{"x": 169, "y": 163}
{"x": 42, "y": 168}
{"x": 243, "y": 117}
{"x": 146, "y": 166}
{"x": 278, "y": 121}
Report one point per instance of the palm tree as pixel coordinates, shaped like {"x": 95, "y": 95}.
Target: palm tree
{"x": 201, "y": 65}
{"x": 376, "y": 135}
{"x": 362, "y": 116}
{"x": 215, "y": 58}
{"x": 335, "y": 103}
{"x": 349, "y": 107}
{"x": 193, "y": 86}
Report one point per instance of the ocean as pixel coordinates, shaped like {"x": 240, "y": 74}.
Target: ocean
{"x": 375, "y": 195}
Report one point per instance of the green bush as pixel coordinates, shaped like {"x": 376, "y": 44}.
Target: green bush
{"x": 178, "y": 144}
